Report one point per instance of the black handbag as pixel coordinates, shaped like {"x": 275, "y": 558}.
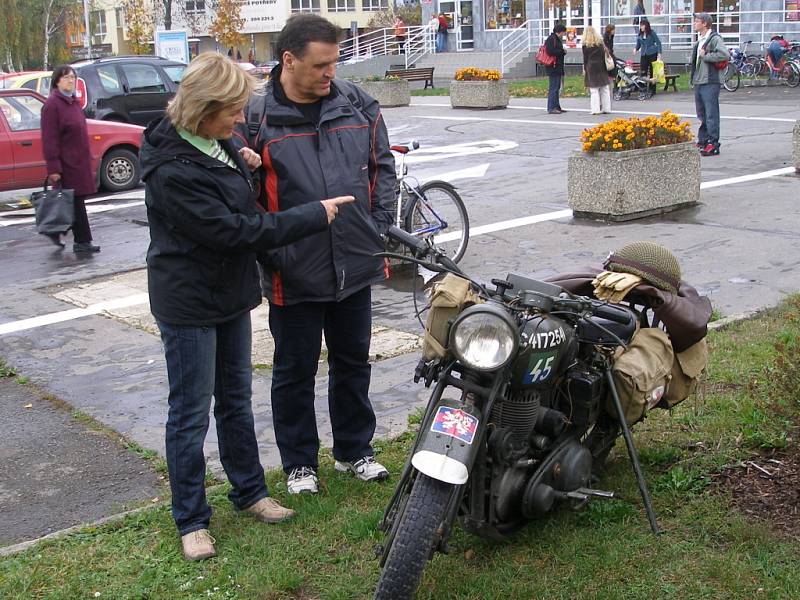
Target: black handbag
{"x": 55, "y": 209}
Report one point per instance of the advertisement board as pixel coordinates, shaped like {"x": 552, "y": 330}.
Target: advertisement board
{"x": 264, "y": 15}
{"x": 173, "y": 44}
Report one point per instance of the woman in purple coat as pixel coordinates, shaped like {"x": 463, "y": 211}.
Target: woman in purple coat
{"x": 65, "y": 145}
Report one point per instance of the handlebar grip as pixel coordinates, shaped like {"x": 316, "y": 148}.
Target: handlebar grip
{"x": 415, "y": 244}
{"x": 618, "y": 314}
{"x": 415, "y": 144}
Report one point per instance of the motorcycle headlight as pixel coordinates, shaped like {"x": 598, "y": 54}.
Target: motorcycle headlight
{"x": 484, "y": 337}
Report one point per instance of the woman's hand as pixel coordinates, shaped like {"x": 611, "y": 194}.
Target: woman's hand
{"x": 331, "y": 205}
{"x": 54, "y": 178}
{"x": 251, "y": 158}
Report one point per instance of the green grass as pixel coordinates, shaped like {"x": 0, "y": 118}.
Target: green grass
{"x": 708, "y": 550}
{"x": 525, "y": 88}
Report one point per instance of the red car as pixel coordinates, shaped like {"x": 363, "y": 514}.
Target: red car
{"x": 114, "y": 146}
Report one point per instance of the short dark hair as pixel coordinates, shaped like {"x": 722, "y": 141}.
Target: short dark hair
{"x": 559, "y": 28}
{"x": 302, "y": 29}
{"x": 58, "y": 73}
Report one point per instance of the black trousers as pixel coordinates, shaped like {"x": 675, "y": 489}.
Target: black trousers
{"x": 297, "y": 331}
{"x": 646, "y": 68}
{"x": 81, "y": 231}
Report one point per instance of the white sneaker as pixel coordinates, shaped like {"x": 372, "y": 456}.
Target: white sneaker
{"x": 365, "y": 469}
{"x": 302, "y": 480}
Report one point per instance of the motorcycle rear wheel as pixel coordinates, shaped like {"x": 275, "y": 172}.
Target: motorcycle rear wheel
{"x": 414, "y": 540}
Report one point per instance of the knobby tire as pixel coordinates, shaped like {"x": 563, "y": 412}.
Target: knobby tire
{"x": 414, "y": 540}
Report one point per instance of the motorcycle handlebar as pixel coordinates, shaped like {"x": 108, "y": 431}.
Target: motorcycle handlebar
{"x": 418, "y": 246}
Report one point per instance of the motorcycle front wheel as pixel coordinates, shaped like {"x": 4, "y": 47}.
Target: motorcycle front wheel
{"x": 415, "y": 539}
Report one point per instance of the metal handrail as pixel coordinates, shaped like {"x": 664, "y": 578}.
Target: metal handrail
{"x": 381, "y": 42}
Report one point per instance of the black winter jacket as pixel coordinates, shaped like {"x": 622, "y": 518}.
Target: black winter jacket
{"x": 555, "y": 47}
{"x": 205, "y": 229}
{"x": 347, "y": 153}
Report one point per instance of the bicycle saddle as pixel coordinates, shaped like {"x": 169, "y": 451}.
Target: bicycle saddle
{"x": 405, "y": 148}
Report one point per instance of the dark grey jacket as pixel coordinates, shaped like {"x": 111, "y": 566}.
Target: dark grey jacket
{"x": 347, "y": 153}
{"x": 706, "y": 73}
{"x": 205, "y": 230}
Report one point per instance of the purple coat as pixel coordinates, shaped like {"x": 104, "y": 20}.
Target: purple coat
{"x": 65, "y": 143}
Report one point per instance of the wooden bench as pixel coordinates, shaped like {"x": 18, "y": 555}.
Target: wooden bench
{"x": 421, "y": 74}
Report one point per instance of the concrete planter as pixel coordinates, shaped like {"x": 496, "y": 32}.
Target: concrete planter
{"x": 620, "y": 186}
{"x": 478, "y": 94}
{"x": 796, "y": 146}
{"x": 388, "y": 93}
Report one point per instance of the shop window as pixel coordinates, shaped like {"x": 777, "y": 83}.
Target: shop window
{"x": 341, "y": 5}
{"x": 305, "y": 6}
{"x": 504, "y": 14}
{"x": 375, "y": 5}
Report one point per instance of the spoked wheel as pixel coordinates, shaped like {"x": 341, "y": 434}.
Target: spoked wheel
{"x": 791, "y": 74}
{"x": 751, "y": 67}
{"x": 618, "y": 95}
{"x": 645, "y": 94}
{"x": 415, "y": 539}
{"x": 730, "y": 78}
{"x": 440, "y": 213}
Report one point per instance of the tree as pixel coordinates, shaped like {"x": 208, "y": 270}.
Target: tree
{"x": 228, "y": 23}
{"x": 139, "y": 25}
{"x": 410, "y": 13}
{"x": 54, "y": 13}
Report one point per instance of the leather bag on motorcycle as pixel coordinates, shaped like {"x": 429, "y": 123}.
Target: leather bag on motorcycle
{"x": 449, "y": 297}
{"x": 642, "y": 373}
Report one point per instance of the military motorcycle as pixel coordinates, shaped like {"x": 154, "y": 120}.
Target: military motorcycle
{"x": 514, "y": 422}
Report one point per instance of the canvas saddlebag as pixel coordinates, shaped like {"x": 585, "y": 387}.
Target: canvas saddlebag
{"x": 449, "y": 297}
{"x": 642, "y": 373}
{"x": 686, "y": 371}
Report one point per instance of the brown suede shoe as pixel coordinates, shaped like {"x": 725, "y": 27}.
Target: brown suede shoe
{"x": 198, "y": 545}
{"x": 269, "y": 511}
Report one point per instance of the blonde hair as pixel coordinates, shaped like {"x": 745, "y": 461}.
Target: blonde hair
{"x": 211, "y": 83}
{"x": 591, "y": 37}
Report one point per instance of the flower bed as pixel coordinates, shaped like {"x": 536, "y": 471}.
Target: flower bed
{"x": 632, "y": 168}
{"x": 478, "y": 88}
{"x": 388, "y": 91}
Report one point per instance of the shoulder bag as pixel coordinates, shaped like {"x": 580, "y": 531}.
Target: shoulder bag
{"x": 54, "y": 209}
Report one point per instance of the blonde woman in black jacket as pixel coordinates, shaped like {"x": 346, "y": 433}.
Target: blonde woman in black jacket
{"x": 595, "y": 73}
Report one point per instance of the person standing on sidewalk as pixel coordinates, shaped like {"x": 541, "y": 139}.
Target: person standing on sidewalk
{"x": 706, "y": 81}
{"x": 555, "y": 73}
{"x": 595, "y": 72}
{"x": 650, "y": 45}
{"x": 65, "y": 145}
{"x": 441, "y": 36}
{"x": 400, "y": 34}
{"x": 318, "y": 135}
{"x": 203, "y": 282}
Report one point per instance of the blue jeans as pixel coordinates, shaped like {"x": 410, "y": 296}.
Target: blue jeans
{"x": 441, "y": 42}
{"x": 706, "y": 102}
{"x": 202, "y": 361}
{"x": 297, "y": 330}
{"x": 552, "y": 92}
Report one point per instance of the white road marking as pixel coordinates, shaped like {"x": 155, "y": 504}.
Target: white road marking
{"x": 429, "y": 154}
{"x": 627, "y": 112}
{"x": 744, "y": 178}
{"x": 478, "y": 171}
{"x": 495, "y": 120}
{"x": 89, "y": 209}
{"x": 93, "y": 309}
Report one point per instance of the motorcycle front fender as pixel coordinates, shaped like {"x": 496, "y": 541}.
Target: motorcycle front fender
{"x": 449, "y": 442}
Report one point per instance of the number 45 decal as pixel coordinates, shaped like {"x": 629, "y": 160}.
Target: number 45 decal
{"x": 541, "y": 367}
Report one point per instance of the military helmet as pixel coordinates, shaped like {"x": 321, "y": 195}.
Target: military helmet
{"x": 650, "y": 261}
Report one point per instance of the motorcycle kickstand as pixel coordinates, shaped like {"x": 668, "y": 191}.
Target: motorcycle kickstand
{"x": 637, "y": 469}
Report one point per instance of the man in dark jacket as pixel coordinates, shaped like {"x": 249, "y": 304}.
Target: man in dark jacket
{"x": 316, "y": 137}
{"x": 709, "y": 50}
{"x": 555, "y": 48}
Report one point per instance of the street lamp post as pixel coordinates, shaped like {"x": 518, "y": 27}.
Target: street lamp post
{"x": 87, "y": 41}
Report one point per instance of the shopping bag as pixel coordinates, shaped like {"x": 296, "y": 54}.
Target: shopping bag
{"x": 658, "y": 72}
{"x": 610, "y": 65}
{"x": 54, "y": 209}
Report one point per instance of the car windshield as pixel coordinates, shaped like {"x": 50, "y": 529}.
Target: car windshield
{"x": 23, "y": 112}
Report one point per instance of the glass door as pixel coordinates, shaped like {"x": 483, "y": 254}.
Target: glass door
{"x": 464, "y": 29}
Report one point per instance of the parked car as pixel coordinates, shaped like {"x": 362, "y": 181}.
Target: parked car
{"x": 38, "y": 81}
{"x": 129, "y": 89}
{"x": 114, "y": 146}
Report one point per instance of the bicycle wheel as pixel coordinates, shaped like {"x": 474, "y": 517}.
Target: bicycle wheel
{"x": 791, "y": 74}
{"x": 730, "y": 78}
{"x": 751, "y": 67}
{"x": 437, "y": 211}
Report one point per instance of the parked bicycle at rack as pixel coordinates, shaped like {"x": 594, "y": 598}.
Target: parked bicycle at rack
{"x": 741, "y": 64}
{"x": 431, "y": 210}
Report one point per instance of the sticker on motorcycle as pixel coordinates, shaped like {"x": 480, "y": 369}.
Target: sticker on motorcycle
{"x": 456, "y": 423}
{"x": 540, "y": 367}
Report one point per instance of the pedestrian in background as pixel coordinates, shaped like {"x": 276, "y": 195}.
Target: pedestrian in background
{"x": 322, "y": 134}
{"x": 638, "y": 12}
{"x": 441, "y": 36}
{"x": 400, "y": 34}
{"x": 648, "y": 43}
{"x": 608, "y": 39}
{"x": 555, "y": 73}
{"x": 65, "y": 146}
{"x": 203, "y": 282}
{"x": 433, "y": 25}
{"x": 706, "y": 80}
{"x": 595, "y": 72}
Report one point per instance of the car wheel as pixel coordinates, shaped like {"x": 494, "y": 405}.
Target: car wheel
{"x": 119, "y": 170}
